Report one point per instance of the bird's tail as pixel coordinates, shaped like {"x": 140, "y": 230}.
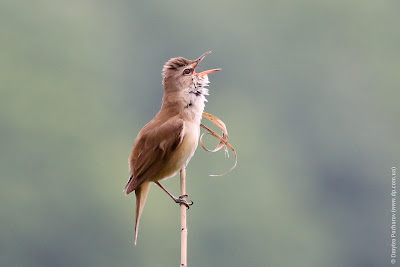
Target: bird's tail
{"x": 141, "y": 195}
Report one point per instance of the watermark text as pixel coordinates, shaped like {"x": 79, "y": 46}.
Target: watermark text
{"x": 393, "y": 212}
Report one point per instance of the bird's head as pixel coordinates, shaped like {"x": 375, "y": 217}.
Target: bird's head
{"x": 180, "y": 74}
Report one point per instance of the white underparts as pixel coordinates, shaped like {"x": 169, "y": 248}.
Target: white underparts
{"x": 197, "y": 97}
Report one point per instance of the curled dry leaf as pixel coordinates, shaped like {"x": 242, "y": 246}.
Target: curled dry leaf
{"x": 223, "y": 140}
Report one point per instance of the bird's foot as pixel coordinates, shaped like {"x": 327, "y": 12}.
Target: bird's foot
{"x": 182, "y": 200}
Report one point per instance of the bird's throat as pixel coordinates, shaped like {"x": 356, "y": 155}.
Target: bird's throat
{"x": 197, "y": 93}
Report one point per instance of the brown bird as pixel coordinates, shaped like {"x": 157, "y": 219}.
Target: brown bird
{"x": 166, "y": 144}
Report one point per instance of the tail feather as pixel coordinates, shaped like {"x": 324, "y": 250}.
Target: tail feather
{"x": 141, "y": 196}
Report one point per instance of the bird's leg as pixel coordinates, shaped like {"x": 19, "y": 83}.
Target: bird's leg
{"x": 179, "y": 200}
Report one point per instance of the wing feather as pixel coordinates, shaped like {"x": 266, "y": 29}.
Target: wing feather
{"x": 152, "y": 149}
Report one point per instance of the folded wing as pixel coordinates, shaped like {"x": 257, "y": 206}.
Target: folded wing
{"x": 151, "y": 150}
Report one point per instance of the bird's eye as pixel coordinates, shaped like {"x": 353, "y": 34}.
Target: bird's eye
{"x": 187, "y": 71}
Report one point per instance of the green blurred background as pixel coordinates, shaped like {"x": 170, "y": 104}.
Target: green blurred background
{"x": 309, "y": 92}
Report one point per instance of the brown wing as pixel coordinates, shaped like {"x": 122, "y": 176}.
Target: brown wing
{"x": 151, "y": 150}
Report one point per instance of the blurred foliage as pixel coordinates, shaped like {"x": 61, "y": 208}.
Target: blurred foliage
{"x": 309, "y": 92}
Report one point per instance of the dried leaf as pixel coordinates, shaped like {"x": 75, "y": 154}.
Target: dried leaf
{"x": 223, "y": 140}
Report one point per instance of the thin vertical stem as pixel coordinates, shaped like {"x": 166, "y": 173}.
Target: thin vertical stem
{"x": 184, "y": 230}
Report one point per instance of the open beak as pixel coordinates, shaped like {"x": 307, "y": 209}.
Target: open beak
{"x": 206, "y": 72}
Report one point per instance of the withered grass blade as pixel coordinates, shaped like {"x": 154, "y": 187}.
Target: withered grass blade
{"x": 223, "y": 140}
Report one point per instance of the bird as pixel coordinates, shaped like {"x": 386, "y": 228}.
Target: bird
{"x": 165, "y": 145}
